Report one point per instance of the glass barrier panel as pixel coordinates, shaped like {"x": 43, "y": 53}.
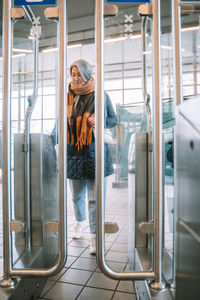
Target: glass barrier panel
{"x": 34, "y": 168}
{"x": 126, "y": 200}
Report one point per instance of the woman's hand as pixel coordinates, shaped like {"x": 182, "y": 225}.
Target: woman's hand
{"x": 91, "y": 120}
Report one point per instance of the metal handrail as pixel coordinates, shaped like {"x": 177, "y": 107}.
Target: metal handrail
{"x": 176, "y": 52}
{"x": 99, "y": 106}
{"x": 31, "y": 104}
{"x": 8, "y": 269}
{"x": 143, "y": 34}
{"x": 146, "y": 96}
{"x": 157, "y": 148}
{"x": 6, "y": 135}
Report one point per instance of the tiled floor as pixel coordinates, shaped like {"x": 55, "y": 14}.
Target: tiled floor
{"x": 81, "y": 278}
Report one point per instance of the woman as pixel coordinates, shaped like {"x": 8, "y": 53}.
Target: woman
{"x": 81, "y": 145}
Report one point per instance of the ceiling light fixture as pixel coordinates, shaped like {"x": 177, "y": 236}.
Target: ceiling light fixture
{"x": 115, "y": 39}
{"x": 136, "y": 36}
{"x": 74, "y": 46}
{"x": 18, "y": 55}
{"x": 22, "y": 50}
{"x": 166, "y": 47}
{"x": 50, "y": 50}
{"x": 56, "y": 49}
{"x": 190, "y": 28}
{"x": 146, "y": 52}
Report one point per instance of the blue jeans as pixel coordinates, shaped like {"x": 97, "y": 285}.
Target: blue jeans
{"x": 79, "y": 187}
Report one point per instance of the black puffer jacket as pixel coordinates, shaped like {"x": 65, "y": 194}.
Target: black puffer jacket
{"x": 81, "y": 163}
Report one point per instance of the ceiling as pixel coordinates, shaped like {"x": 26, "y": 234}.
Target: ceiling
{"x": 81, "y": 23}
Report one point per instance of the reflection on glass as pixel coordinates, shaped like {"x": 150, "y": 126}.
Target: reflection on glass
{"x": 34, "y": 174}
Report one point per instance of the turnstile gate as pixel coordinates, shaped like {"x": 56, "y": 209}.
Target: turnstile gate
{"x": 44, "y": 207}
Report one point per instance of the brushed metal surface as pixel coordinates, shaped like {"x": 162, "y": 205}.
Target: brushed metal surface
{"x": 44, "y": 196}
{"x": 188, "y": 204}
{"x": 143, "y": 289}
{"x": 137, "y": 192}
{"x": 141, "y": 186}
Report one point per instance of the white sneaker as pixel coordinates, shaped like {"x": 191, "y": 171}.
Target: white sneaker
{"x": 93, "y": 244}
{"x": 78, "y": 230}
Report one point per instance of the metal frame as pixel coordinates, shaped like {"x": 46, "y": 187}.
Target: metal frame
{"x": 32, "y": 100}
{"x": 157, "y": 148}
{"x": 178, "y": 94}
{"x": 8, "y": 271}
{"x": 99, "y": 106}
{"x": 176, "y": 25}
{"x": 176, "y": 51}
{"x": 146, "y": 99}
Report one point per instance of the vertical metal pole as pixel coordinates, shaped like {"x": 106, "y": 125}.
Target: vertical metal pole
{"x": 176, "y": 25}
{"x": 144, "y": 79}
{"x": 27, "y": 149}
{"x": 172, "y": 281}
{"x": 178, "y": 98}
{"x": 157, "y": 147}
{"x": 19, "y": 101}
{"x": 195, "y": 66}
{"x": 146, "y": 96}
{"x": 8, "y": 270}
{"x": 146, "y": 99}
{"x": 6, "y": 282}
{"x": 62, "y": 127}
{"x": 99, "y": 149}
{"x": 99, "y": 125}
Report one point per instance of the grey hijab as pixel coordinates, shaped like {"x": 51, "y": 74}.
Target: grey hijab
{"x": 84, "y": 68}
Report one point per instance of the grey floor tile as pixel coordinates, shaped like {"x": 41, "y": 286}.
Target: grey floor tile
{"x": 87, "y": 254}
{"x": 117, "y": 256}
{"x": 110, "y": 238}
{"x": 126, "y": 286}
{"x": 70, "y": 261}
{"x": 56, "y": 277}
{"x": 76, "y": 276}
{"x": 122, "y": 239}
{"x": 99, "y": 280}
{"x": 85, "y": 264}
{"x": 63, "y": 291}
{"x": 119, "y": 247}
{"x": 115, "y": 266}
{"x": 97, "y": 294}
{"x": 48, "y": 285}
{"x": 69, "y": 239}
{"x": 75, "y": 251}
{"x": 108, "y": 245}
{"x": 124, "y": 296}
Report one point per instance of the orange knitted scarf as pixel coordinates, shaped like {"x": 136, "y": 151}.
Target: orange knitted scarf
{"x": 77, "y": 123}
